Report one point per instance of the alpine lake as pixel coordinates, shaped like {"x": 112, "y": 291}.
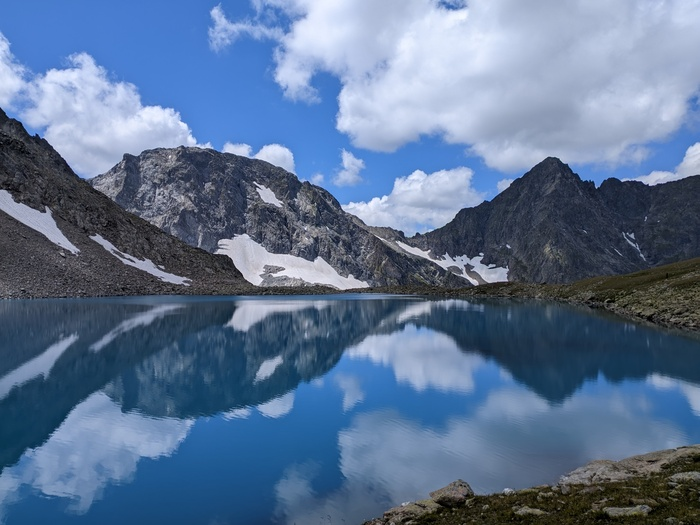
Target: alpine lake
{"x": 317, "y": 409}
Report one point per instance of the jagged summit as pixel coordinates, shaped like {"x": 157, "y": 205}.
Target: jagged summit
{"x": 278, "y": 230}
{"x": 550, "y": 226}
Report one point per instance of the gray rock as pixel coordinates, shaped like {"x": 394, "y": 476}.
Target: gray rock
{"x": 453, "y": 495}
{"x": 409, "y": 511}
{"x": 623, "y": 512}
{"x": 685, "y": 477}
{"x": 528, "y": 511}
{"x": 601, "y": 471}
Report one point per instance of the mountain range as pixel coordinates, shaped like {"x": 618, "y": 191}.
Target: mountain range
{"x": 548, "y": 226}
{"x": 193, "y": 220}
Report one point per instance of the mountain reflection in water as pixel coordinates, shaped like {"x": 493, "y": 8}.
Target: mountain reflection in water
{"x": 262, "y": 410}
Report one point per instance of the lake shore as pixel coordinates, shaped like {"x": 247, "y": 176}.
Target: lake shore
{"x": 667, "y": 296}
{"x": 659, "y": 487}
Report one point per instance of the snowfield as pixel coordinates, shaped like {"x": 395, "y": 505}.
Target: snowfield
{"x": 251, "y": 258}
{"x": 145, "y": 265}
{"x": 490, "y": 274}
{"x": 40, "y": 221}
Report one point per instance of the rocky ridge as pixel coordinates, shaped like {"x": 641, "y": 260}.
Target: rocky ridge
{"x": 549, "y": 226}
{"x": 273, "y": 225}
{"x": 59, "y": 237}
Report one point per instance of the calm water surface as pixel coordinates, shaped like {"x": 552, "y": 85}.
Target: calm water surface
{"x": 317, "y": 410}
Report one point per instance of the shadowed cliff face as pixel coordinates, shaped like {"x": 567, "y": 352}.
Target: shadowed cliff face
{"x": 550, "y": 226}
{"x": 186, "y": 358}
{"x": 203, "y": 197}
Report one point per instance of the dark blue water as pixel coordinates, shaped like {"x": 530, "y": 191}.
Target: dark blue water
{"x": 317, "y": 410}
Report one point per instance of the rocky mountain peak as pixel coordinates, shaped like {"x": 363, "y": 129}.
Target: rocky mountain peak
{"x": 278, "y": 230}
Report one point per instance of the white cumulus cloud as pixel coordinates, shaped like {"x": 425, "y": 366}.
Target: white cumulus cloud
{"x": 273, "y": 153}
{"x": 11, "y": 74}
{"x": 687, "y": 168}
{"x": 504, "y": 184}
{"x": 420, "y": 201}
{"x": 92, "y": 121}
{"x": 88, "y": 117}
{"x": 349, "y": 174}
{"x": 513, "y": 81}
{"x": 223, "y": 32}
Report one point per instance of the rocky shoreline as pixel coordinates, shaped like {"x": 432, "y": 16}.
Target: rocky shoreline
{"x": 667, "y": 296}
{"x": 659, "y": 487}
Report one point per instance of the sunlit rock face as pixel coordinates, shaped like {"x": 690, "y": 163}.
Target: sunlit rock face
{"x": 278, "y": 230}
{"x": 550, "y": 226}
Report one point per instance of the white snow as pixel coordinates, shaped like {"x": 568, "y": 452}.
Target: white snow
{"x": 268, "y": 196}
{"x": 142, "y": 319}
{"x": 41, "y": 365}
{"x": 267, "y": 368}
{"x": 490, "y": 273}
{"x": 145, "y": 265}
{"x": 251, "y": 258}
{"x": 508, "y": 246}
{"x": 618, "y": 252}
{"x": 250, "y": 313}
{"x": 629, "y": 237}
{"x": 36, "y": 220}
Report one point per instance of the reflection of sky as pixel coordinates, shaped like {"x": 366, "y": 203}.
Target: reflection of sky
{"x": 514, "y": 439}
{"x": 96, "y": 445}
{"x": 401, "y": 414}
{"x": 421, "y": 358}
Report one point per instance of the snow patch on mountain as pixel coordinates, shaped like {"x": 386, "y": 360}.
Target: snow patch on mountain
{"x": 267, "y": 195}
{"x": 463, "y": 265}
{"x": 629, "y": 237}
{"x": 251, "y": 259}
{"x": 42, "y": 222}
{"x": 145, "y": 265}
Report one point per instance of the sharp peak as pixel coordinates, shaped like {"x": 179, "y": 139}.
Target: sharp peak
{"x": 549, "y": 168}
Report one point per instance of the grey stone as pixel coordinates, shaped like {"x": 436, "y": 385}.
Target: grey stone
{"x": 528, "y": 511}
{"x": 685, "y": 477}
{"x": 623, "y": 512}
{"x": 409, "y": 511}
{"x": 600, "y": 471}
{"x": 453, "y": 495}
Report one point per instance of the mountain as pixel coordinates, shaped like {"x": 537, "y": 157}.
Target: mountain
{"x": 550, "y": 226}
{"x": 60, "y": 237}
{"x": 278, "y": 230}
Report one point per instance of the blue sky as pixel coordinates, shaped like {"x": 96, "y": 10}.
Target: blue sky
{"x": 358, "y": 95}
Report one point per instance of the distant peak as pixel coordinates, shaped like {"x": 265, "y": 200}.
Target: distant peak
{"x": 551, "y": 169}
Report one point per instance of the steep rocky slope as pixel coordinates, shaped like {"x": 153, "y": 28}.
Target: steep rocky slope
{"x": 550, "y": 226}
{"x": 60, "y": 237}
{"x": 278, "y": 230}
